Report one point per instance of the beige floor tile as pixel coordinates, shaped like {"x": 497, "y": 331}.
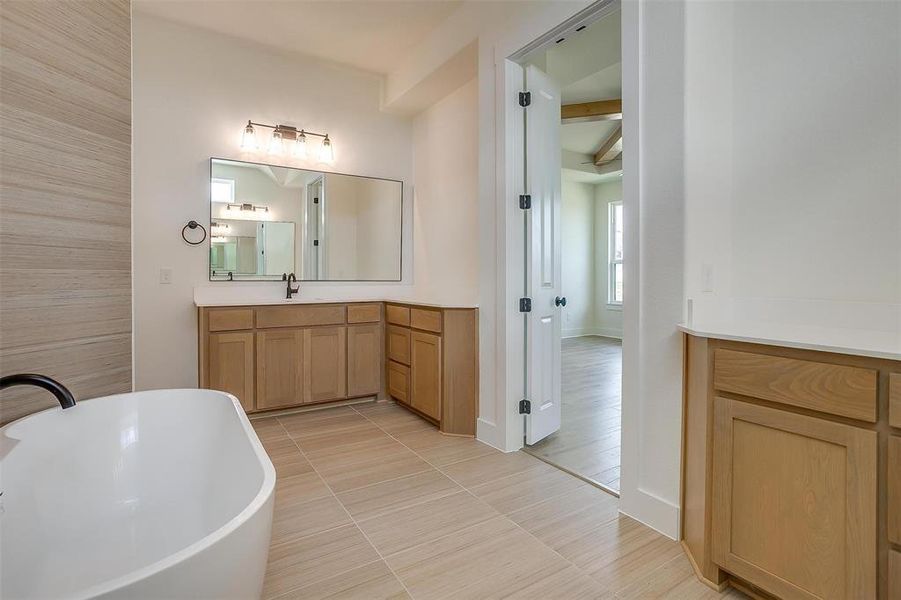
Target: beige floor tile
{"x": 348, "y": 454}
{"x": 398, "y": 494}
{"x": 300, "y": 428}
{"x": 524, "y": 489}
{"x": 484, "y": 561}
{"x": 621, "y": 552}
{"x": 374, "y": 581}
{"x": 309, "y": 418}
{"x": 287, "y": 459}
{"x": 296, "y": 520}
{"x": 675, "y": 580}
{"x": 566, "y": 519}
{"x": 330, "y": 440}
{"x": 484, "y": 469}
{"x": 299, "y": 489}
{"x": 268, "y": 429}
{"x": 305, "y": 561}
{"x": 398, "y": 531}
{"x": 442, "y": 450}
{"x": 373, "y": 469}
{"x": 394, "y": 419}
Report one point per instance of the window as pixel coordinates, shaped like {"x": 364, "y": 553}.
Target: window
{"x": 222, "y": 190}
{"x": 615, "y": 254}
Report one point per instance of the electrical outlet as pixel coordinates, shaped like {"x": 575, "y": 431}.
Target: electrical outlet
{"x": 165, "y": 276}
{"x": 706, "y": 277}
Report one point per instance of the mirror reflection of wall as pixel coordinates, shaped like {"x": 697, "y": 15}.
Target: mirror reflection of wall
{"x": 268, "y": 220}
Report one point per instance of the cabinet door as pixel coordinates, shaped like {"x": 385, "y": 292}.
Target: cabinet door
{"x": 279, "y": 368}
{"x": 425, "y": 373}
{"x": 231, "y": 365}
{"x": 794, "y": 502}
{"x": 325, "y": 363}
{"x": 364, "y": 359}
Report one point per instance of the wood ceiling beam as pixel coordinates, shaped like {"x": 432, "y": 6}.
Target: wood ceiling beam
{"x": 611, "y": 148}
{"x": 600, "y": 110}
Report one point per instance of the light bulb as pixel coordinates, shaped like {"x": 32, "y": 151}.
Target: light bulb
{"x": 300, "y": 146}
{"x": 275, "y": 146}
{"x": 326, "y": 154}
{"x": 248, "y": 139}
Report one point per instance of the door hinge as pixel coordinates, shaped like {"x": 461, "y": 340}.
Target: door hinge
{"x": 525, "y": 407}
{"x": 525, "y": 99}
{"x": 525, "y": 305}
{"x": 525, "y": 201}
{"x": 315, "y": 242}
{"x": 315, "y": 200}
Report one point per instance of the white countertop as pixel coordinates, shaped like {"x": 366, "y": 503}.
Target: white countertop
{"x": 209, "y": 297}
{"x": 876, "y": 344}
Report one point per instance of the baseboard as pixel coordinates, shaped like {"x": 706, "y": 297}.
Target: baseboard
{"x": 719, "y": 587}
{"x": 488, "y": 433}
{"x": 653, "y": 511}
{"x": 616, "y": 334}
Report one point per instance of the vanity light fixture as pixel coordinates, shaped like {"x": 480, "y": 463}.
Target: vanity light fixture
{"x": 249, "y": 138}
{"x": 287, "y": 133}
{"x": 247, "y": 207}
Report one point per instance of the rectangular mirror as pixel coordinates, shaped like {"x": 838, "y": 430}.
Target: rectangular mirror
{"x": 267, "y": 220}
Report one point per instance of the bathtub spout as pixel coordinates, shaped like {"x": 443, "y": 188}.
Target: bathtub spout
{"x": 63, "y": 395}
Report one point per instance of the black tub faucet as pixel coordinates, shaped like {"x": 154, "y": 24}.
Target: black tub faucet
{"x": 65, "y": 397}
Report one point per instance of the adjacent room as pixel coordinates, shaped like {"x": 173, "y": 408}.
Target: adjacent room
{"x": 450, "y": 299}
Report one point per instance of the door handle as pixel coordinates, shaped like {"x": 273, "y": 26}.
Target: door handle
{"x": 558, "y": 301}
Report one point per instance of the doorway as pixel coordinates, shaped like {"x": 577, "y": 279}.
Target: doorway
{"x": 583, "y": 69}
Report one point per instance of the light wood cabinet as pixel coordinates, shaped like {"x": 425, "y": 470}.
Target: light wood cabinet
{"x": 280, "y": 368}
{"x": 794, "y": 502}
{"x": 231, "y": 360}
{"x": 286, "y": 356}
{"x": 364, "y": 359}
{"x": 425, "y": 373}
{"x": 893, "y": 480}
{"x": 325, "y": 367}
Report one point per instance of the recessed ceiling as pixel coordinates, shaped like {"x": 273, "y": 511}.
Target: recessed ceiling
{"x": 586, "y": 138}
{"x": 373, "y": 35}
{"x": 585, "y": 177}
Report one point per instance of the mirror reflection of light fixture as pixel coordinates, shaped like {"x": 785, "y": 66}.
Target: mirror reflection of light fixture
{"x": 249, "y": 138}
{"x": 326, "y": 152}
{"x": 275, "y": 145}
{"x": 300, "y": 146}
{"x": 287, "y": 133}
{"x": 247, "y": 207}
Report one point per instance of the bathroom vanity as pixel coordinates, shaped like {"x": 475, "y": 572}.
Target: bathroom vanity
{"x": 791, "y": 480}
{"x": 290, "y": 355}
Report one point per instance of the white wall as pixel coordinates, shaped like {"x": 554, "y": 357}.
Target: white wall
{"x": 445, "y": 221}
{"x": 193, "y": 91}
{"x": 608, "y": 319}
{"x": 793, "y": 165}
{"x": 579, "y": 258}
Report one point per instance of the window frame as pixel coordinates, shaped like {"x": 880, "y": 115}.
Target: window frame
{"x": 612, "y": 262}
{"x": 223, "y": 180}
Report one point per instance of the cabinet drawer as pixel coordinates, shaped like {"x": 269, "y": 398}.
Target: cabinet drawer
{"x": 894, "y": 489}
{"x": 894, "y": 400}
{"x": 364, "y": 313}
{"x": 399, "y": 382}
{"x": 399, "y": 315}
{"x": 300, "y": 316}
{"x": 399, "y": 344}
{"x": 835, "y": 389}
{"x": 429, "y": 320}
{"x": 230, "y": 319}
{"x": 894, "y": 574}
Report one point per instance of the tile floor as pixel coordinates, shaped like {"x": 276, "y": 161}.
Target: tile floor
{"x": 588, "y": 442}
{"x": 373, "y": 502}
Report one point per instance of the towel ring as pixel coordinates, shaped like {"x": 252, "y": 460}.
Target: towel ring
{"x": 193, "y": 225}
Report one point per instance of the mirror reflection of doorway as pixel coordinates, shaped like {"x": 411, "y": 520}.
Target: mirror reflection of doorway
{"x": 588, "y": 70}
{"x": 315, "y": 227}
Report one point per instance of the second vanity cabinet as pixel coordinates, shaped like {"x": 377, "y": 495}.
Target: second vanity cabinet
{"x": 790, "y": 460}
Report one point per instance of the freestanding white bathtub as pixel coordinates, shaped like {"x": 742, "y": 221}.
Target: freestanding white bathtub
{"x": 151, "y": 495}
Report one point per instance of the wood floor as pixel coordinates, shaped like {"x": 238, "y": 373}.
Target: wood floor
{"x": 372, "y": 502}
{"x": 588, "y": 442}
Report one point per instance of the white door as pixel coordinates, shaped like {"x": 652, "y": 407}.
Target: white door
{"x": 543, "y": 255}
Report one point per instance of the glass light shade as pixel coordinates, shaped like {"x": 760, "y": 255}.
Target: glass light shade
{"x": 326, "y": 153}
{"x": 300, "y": 146}
{"x": 275, "y": 145}
{"x": 248, "y": 139}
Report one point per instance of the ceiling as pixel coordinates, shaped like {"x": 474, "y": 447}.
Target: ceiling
{"x": 372, "y": 35}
